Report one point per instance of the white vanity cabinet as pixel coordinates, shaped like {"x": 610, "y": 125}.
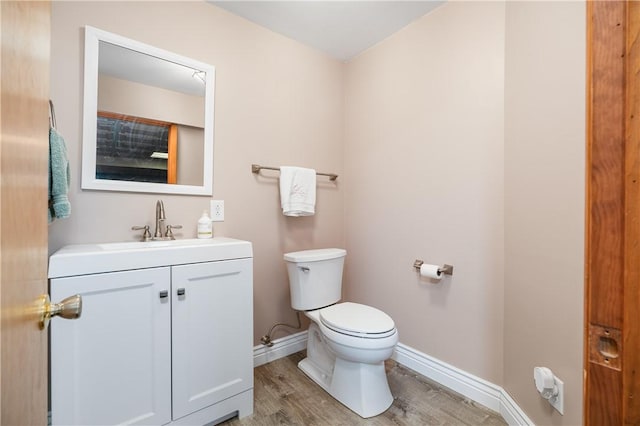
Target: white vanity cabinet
{"x": 113, "y": 364}
{"x": 212, "y": 333}
{"x": 162, "y": 344}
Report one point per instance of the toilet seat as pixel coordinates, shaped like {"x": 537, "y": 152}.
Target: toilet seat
{"x": 354, "y": 319}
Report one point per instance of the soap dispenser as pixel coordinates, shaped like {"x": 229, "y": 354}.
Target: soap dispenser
{"x": 205, "y": 227}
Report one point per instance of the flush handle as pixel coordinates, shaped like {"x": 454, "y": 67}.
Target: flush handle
{"x": 304, "y": 269}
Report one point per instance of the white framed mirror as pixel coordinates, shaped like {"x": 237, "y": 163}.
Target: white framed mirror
{"x": 147, "y": 120}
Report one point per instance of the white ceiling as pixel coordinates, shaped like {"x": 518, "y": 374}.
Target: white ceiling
{"x": 343, "y": 29}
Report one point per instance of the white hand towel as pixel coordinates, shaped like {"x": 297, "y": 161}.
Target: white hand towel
{"x": 297, "y": 191}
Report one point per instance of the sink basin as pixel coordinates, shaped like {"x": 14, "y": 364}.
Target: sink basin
{"x": 85, "y": 259}
{"x": 137, "y": 245}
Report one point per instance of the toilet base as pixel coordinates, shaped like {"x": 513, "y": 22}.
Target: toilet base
{"x": 319, "y": 363}
{"x": 361, "y": 387}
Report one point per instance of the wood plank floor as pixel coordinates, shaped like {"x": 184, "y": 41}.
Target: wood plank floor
{"x": 284, "y": 395}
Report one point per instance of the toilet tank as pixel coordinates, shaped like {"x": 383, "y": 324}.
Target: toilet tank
{"x": 315, "y": 277}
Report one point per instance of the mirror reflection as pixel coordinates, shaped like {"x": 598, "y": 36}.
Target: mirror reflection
{"x": 151, "y": 127}
{"x": 135, "y": 149}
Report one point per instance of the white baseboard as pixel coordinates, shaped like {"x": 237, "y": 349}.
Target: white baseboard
{"x": 476, "y": 389}
{"x": 282, "y": 347}
{"x": 472, "y": 387}
{"x": 511, "y": 412}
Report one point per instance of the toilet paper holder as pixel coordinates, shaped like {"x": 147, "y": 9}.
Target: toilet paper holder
{"x": 444, "y": 269}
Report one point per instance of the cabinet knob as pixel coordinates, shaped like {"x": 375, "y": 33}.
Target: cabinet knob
{"x": 181, "y": 292}
{"x": 164, "y": 294}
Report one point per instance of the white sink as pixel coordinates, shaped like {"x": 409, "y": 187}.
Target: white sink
{"x": 84, "y": 259}
{"x": 136, "y": 245}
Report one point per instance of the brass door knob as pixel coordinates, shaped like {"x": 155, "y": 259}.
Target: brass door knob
{"x": 69, "y": 308}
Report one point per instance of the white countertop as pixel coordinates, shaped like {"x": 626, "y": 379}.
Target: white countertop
{"x": 82, "y": 259}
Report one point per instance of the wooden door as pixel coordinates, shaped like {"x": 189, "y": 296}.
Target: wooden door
{"x": 612, "y": 287}
{"x": 24, "y": 87}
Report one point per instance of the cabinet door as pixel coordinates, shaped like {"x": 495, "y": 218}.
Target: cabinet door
{"x": 212, "y": 333}
{"x": 113, "y": 364}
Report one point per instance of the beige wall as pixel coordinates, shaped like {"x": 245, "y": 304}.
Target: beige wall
{"x": 450, "y": 161}
{"x": 424, "y": 165}
{"x": 277, "y": 103}
{"x": 544, "y": 202}
{"x": 190, "y": 155}
{"x": 141, "y": 100}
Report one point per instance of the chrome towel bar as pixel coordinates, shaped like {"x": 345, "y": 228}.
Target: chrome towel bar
{"x": 255, "y": 168}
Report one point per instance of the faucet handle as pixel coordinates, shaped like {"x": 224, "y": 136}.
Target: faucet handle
{"x": 169, "y": 232}
{"x": 146, "y": 235}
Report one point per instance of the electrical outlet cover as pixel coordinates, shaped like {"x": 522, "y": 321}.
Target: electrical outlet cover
{"x": 558, "y": 401}
{"x": 217, "y": 210}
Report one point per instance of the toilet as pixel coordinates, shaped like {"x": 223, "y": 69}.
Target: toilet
{"x": 347, "y": 342}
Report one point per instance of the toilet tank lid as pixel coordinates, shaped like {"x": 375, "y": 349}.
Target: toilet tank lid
{"x": 314, "y": 255}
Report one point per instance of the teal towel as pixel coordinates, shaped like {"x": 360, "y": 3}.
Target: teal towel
{"x": 59, "y": 178}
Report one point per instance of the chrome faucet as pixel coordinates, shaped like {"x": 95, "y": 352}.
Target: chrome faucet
{"x": 158, "y": 234}
{"x": 160, "y": 217}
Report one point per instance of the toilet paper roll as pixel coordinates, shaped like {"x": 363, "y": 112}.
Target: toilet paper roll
{"x": 430, "y": 271}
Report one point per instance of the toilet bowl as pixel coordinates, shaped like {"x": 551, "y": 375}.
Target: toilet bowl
{"x": 347, "y": 342}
